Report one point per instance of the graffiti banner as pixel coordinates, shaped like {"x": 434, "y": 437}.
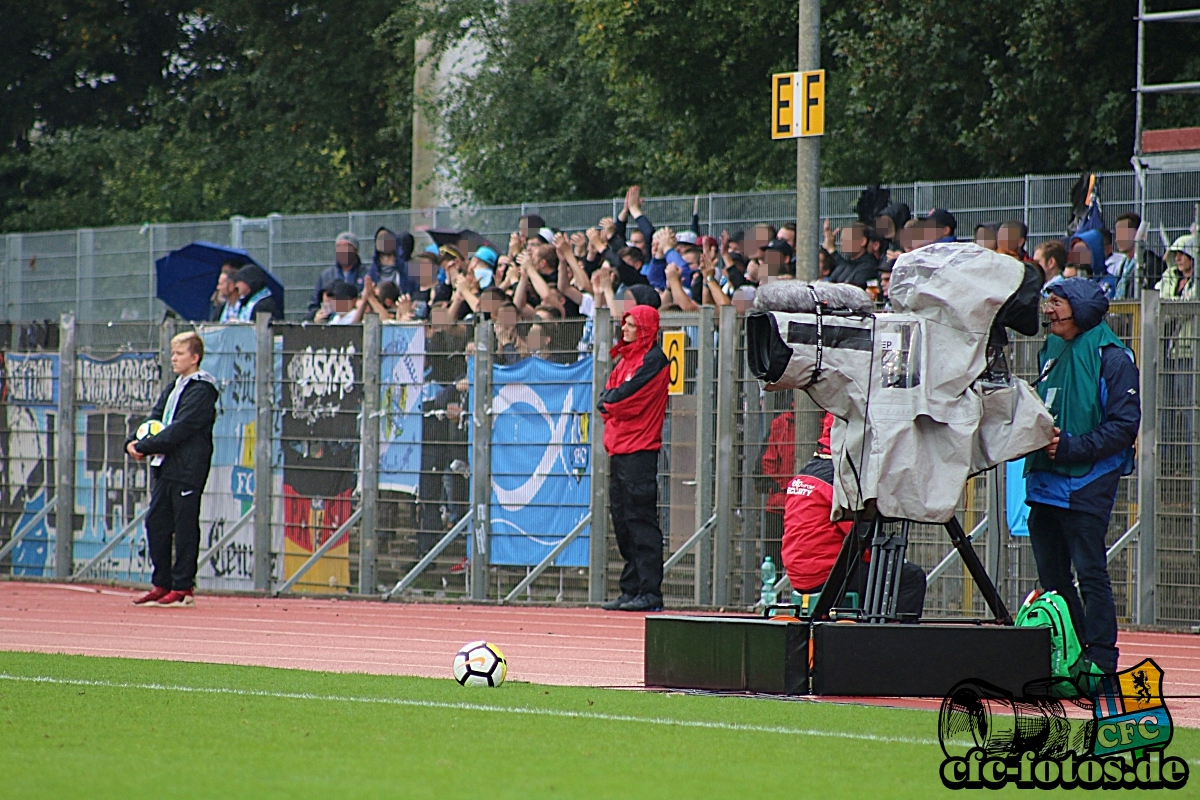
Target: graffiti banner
{"x": 229, "y": 356}
{"x": 322, "y": 398}
{"x": 541, "y": 460}
{"x": 27, "y": 457}
{"x": 403, "y": 376}
{"x": 113, "y": 396}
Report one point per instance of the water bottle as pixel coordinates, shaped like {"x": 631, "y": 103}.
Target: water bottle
{"x": 768, "y": 582}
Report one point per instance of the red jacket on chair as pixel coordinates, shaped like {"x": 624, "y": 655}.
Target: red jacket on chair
{"x": 634, "y": 401}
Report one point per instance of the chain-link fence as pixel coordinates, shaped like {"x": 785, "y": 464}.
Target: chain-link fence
{"x": 473, "y": 476}
{"x": 108, "y": 274}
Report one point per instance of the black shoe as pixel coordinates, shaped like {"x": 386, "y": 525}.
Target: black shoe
{"x": 613, "y": 605}
{"x": 644, "y": 602}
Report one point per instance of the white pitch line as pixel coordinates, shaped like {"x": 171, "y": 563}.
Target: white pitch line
{"x": 540, "y": 712}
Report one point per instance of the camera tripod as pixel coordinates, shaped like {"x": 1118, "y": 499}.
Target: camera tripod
{"x": 888, "y": 548}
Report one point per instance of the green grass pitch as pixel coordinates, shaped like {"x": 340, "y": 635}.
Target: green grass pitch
{"x": 116, "y": 728}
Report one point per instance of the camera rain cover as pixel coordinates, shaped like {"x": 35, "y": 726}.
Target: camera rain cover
{"x": 913, "y": 419}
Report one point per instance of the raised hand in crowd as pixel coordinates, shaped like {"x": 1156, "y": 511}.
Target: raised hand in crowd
{"x": 371, "y": 298}
{"x": 597, "y": 240}
{"x": 608, "y": 228}
{"x": 633, "y": 200}
{"x": 579, "y": 243}
{"x": 667, "y": 237}
{"x": 676, "y": 291}
{"x": 829, "y": 235}
{"x": 516, "y": 243}
{"x": 404, "y": 309}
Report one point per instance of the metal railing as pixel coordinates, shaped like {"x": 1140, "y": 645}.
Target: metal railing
{"x": 451, "y": 420}
{"x": 105, "y": 274}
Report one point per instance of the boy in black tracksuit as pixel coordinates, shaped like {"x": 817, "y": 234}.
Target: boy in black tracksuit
{"x": 180, "y": 456}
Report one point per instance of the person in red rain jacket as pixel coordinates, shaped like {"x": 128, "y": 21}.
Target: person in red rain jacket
{"x": 633, "y": 405}
{"x": 811, "y": 542}
{"x": 777, "y": 463}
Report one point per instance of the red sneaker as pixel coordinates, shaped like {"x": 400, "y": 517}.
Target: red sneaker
{"x": 152, "y": 596}
{"x": 460, "y": 567}
{"x": 176, "y": 599}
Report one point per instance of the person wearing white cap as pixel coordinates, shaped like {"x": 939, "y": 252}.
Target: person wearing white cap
{"x": 1179, "y": 278}
{"x": 348, "y": 268}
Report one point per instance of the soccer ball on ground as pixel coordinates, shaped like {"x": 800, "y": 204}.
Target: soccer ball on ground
{"x": 480, "y": 664}
{"x": 150, "y": 427}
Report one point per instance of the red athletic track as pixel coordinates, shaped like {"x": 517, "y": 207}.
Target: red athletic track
{"x": 564, "y": 646}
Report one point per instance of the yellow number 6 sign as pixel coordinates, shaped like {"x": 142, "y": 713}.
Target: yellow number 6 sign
{"x": 673, "y": 346}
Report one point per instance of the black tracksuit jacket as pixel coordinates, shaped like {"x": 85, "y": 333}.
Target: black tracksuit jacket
{"x": 187, "y": 442}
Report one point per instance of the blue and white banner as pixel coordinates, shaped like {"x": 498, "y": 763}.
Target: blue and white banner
{"x": 31, "y": 379}
{"x": 541, "y": 460}
{"x": 230, "y": 357}
{"x": 402, "y": 378}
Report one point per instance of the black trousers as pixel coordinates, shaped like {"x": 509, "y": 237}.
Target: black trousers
{"x": 1062, "y": 538}
{"x": 633, "y": 504}
{"x": 174, "y": 518}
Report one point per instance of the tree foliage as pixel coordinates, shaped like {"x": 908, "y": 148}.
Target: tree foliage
{"x": 918, "y": 89}
{"x": 164, "y": 110}
{"x": 257, "y": 107}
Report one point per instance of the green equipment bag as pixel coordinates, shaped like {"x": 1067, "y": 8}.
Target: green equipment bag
{"x": 1067, "y": 661}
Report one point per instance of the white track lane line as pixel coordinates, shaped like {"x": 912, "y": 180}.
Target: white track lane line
{"x": 539, "y": 712}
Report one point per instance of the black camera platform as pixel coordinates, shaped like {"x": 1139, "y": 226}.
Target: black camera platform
{"x": 850, "y": 652}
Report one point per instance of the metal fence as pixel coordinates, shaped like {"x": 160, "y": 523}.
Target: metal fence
{"x": 451, "y": 460}
{"x": 108, "y": 274}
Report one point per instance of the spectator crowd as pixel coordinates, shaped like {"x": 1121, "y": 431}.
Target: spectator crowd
{"x": 548, "y": 276}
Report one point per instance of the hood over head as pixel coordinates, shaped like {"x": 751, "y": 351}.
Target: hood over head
{"x": 642, "y": 293}
{"x": 1095, "y": 245}
{"x": 1186, "y": 244}
{"x": 253, "y": 276}
{"x": 1088, "y": 303}
{"x": 646, "y": 318}
{"x": 823, "y": 442}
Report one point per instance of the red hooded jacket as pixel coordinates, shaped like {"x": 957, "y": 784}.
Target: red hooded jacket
{"x": 810, "y": 541}
{"x": 634, "y": 401}
{"x": 778, "y": 459}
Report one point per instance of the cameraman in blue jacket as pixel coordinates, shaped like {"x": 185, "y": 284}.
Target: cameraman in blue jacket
{"x": 1089, "y": 383}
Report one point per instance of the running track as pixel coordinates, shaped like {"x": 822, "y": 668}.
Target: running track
{"x": 563, "y": 646}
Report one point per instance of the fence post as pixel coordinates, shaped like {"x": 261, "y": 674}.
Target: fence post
{"x": 235, "y": 231}
{"x": 598, "y": 533}
{"x": 368, "y": 543}
{"x": 165, "y": 335}
{"x": 481, "y": 458}
{"x": 1147, "y": 567}
{"x": 726, "y": 391}
{"x": 704, "y": 446}
{"x": 264, "y": 397}
{"x": 64, "y": 515}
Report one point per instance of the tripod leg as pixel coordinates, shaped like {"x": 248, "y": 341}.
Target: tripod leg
{"x": 988, "y": 589}
{"x": 885, "y": 554}
{"x": 901, "y": 543}
{"x": 872, "y": 600}
{"x": 847, "y": 564}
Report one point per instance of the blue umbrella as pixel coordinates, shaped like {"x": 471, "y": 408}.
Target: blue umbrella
{"x": 187, "y": 278}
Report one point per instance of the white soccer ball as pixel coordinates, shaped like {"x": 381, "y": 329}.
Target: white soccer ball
{"x": 150, "y": 427}
{"x": 480, "y": 664}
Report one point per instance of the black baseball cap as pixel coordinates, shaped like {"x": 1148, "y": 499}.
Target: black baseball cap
{"x": 943, "y": 219}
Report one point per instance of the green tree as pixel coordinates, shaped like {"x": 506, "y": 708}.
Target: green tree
{"x": 531, "y": 120}
{"x": 678, "y": 94}
{"x": 265, "y": 106}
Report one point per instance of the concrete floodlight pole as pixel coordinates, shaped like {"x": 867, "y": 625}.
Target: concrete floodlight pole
{"x": 808, "y": 154}
{"x": 808, "y": 215}
{"x": 425, "y": 192}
